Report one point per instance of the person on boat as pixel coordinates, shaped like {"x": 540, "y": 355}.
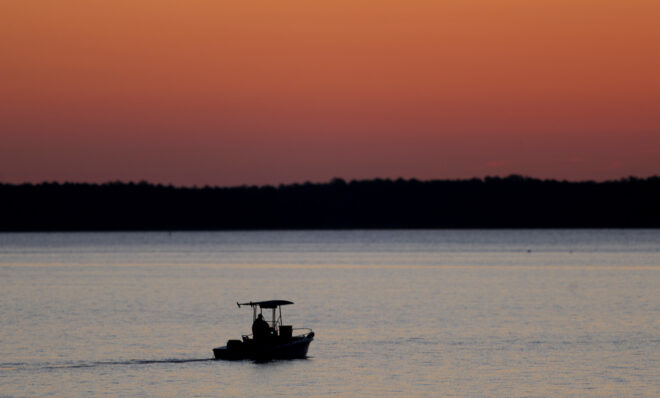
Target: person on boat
{"x": 260, "y": 328}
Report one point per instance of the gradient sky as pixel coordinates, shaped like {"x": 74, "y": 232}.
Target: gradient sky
{"x": 266, "y": 92}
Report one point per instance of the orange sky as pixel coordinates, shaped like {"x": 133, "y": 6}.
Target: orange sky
{"x": 254, "y": 92}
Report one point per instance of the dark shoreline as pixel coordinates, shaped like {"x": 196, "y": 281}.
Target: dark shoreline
{"x": 489, "y": 203}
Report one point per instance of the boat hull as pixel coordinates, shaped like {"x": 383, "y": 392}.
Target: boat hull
{"x": 237, "y": 350}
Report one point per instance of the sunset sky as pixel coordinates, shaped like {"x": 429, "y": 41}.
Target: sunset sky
{"x": 267, "y": 92}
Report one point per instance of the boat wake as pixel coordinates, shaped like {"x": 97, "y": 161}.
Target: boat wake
{"x": 73, "y": 365}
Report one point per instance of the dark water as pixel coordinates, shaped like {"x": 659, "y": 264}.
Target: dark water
{"x": 412, "y": 313}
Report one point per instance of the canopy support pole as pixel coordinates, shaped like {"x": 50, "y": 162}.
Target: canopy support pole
{"x": 274, "y": 318}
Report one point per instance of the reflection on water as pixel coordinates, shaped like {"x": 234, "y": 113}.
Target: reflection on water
{"x": 464, "y": 313}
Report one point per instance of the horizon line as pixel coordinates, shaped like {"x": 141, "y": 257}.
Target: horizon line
{"x": 333, "y": 180}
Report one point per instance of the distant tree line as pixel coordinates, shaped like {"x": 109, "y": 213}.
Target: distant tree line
{"x": 492, "y": 202}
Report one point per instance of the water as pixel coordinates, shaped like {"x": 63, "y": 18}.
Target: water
{"x": 396, "y": 313}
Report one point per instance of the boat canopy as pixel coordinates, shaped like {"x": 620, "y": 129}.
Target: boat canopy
{"x": 266, "y": 304}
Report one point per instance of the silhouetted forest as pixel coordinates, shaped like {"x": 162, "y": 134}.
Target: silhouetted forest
{"x": 493, "y": 202}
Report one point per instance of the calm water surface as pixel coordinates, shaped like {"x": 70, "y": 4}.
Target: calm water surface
{"x": 396, "y": 313}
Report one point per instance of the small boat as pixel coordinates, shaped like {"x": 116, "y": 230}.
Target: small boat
{"x": 279, "y": 342}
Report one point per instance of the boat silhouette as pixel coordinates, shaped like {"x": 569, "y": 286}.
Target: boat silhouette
{"x": 278, "y": 341}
